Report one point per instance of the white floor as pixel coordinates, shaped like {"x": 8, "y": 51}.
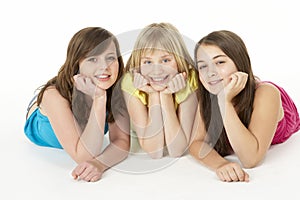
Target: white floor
{"x": 32, "y": 172}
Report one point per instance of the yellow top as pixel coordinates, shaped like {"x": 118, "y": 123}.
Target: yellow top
{"x": 180, "y": 96}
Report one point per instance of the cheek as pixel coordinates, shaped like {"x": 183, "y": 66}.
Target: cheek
{"x": 170, "y": 69}
{"x": 226, "y": 73}
{"x": 145, "y": 70}
{"x": 202, "y": 76}
{"x": 115, "y": 69}
{"x": 174, "y": 67}
{"x": 83, "y": 69}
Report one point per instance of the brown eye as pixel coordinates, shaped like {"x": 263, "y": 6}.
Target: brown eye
{"x": 92, "y": 59}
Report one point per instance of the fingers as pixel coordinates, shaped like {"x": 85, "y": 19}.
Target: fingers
{"x": 86, "y": 172}
{"x": 139, "y": 81}
{"x": 177, "y": 83}
{"x": 78, "y": 171}
{"x": 133, "y": 71}
{"x": 184, "y": 75}
{"x": 232, "y": 172}
{"x": 236, "y": 83}
{"x": 239, "y": 79}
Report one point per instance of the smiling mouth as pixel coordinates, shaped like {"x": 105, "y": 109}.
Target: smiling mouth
{"x": 158, "y": 80}
{"x": 103, "y": 77}
{"x": 214, "y": 82}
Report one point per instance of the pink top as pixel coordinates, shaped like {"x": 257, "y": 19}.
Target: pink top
{"x": 290, "y": 122}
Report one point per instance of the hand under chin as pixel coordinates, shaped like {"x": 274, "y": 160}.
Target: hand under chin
{"x": 158, "y": 87}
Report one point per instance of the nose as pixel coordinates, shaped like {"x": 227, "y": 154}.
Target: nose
{"x": 102, "y": 64}
{"x": 212, "y": 71}
{"x": 157, "y": 69}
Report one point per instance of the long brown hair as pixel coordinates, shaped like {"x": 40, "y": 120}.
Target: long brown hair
{"x": 233, "y": 46}
{"x": 84, "y": 43}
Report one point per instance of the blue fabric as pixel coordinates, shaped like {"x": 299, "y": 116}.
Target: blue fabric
{"x": 39, "y": 131}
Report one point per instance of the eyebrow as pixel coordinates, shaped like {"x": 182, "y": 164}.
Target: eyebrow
{"x": 113, "y": 52}
{"x": 144, "y": 57}
{"x": 167, "y": 55}
{"x": 215, "y": 57}
{"x": 164, "y": 56}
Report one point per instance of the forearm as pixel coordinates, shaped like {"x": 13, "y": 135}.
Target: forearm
{"x": 91, "y": 139}
{"x": 151, "y": 136}
{"x": 176, "y": 138}
{"x": 206, "y": 155}
{"x": 243, "y": 142}
{"x": 114, "y": 153}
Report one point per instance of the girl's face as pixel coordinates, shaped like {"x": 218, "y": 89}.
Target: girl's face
{"x": 214, "y": 67}
{"x": 102, "y": 69}
{"x": 158, "y": 67}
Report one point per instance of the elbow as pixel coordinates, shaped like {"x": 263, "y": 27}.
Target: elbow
{"x": 194, "y": 149}
{"x": 177, "y": 152}
{"x": 156, "y": 154}
{"x": 123, "y": 145}
{"x": 175, "y": 155}
{"x": 250, "y": 163}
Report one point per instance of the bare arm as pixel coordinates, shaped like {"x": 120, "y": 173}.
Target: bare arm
{"x": 147, "y": 122}
{"x": 207, "y": 156}
{"x": 114, "y": 153}
{"x": 80, "y": 145}
{"x": 251, "y": 144}
{"x": 178, "y": 124}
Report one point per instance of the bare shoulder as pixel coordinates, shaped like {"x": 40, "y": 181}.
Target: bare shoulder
{"x": 52, "y": 94}
{"x": 52, "y": 99}
{"x": 267, "y": 91}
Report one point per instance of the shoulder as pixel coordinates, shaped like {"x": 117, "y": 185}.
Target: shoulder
{"x": 126, "y": 78}
{"x": 266, "y": 88}
{"x": 126, "y": 82}
{"x": 266, "y": 91}
{"x": 52, "y": 96}
{"x": 51, "y": 93}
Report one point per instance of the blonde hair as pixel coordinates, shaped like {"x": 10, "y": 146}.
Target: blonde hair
{"x": 160, "y": 36}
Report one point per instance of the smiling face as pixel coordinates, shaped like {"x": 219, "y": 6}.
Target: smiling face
{"x": 158, "y": 67}
{"x": 214, "y": 68}
{"x": 102, "y": 69}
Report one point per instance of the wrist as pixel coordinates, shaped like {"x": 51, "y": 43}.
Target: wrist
{"x": 100, "y": 166}
{"x": 100, "y": 96}
{"x": 166, "y": 96}
{"x": 154, "y": 96}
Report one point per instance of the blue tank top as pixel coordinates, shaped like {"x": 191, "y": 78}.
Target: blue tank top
{"x": 39, "y": 130}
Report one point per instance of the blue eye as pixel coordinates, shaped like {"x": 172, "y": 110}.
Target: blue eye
{"x": 165, "y": 60}
{"x": 147, "y": 62}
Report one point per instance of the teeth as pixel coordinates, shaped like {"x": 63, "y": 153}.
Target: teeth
{"x": 102, "y": 76}
{"x": 214, "y": 82}
{"x": 158, "y": 79}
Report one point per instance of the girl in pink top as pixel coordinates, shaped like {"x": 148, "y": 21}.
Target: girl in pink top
{"x": 237, "y": 113}
{"x": 289, "y": 124}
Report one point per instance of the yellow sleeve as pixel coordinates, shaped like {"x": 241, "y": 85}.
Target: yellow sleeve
{"x": 191, "y": 86}
{"x": 127, "y": 86}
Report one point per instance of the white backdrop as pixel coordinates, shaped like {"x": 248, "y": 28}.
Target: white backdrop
{"x": 33, "y": 44}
